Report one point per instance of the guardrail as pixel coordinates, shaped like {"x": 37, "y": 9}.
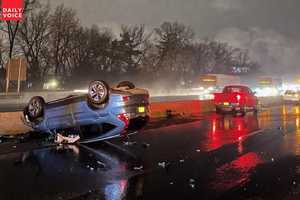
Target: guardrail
{"x": 191, "y": 105}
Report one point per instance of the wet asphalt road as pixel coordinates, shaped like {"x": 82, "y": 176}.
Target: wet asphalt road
{"x": 215, "y": 157}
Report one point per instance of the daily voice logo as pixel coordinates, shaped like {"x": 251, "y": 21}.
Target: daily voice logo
{"x": 12, "y": 10}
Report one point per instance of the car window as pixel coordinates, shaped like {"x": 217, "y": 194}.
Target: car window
{"x": 249, "y": 91}
{"x": 233, "y": 89}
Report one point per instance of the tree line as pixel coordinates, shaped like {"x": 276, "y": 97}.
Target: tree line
{"x": 55, "y": 43}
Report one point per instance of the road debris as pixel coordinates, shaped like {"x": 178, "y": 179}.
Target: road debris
{"x": 146, "y": 145}
{"x": 164, "y": 164}
{"x": 192, "y": 180}
{"x": 137, "y": 168}
{"x": 128, "y": 143}
{"x": 192, "y": 183}
{"x": 90, "y": 167}
{"x": 101, "y": 164}
{"x": 71, "y": 139}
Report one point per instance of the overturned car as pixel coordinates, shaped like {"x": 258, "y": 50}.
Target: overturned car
{"x": 100, "y": 114}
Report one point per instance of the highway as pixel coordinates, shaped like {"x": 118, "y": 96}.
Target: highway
{"x": 210, "y": 157}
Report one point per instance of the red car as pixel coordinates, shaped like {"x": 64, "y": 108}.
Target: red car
{"x": 236, "y": 99}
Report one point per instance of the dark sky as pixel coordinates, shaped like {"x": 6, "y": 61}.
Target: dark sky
{"x": 268, "y": 28}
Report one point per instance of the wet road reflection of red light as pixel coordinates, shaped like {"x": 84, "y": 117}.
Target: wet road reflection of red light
{"x": 227, "y": 129}
{"x": 237, "y": 172}
{"x": 214, "y": 126}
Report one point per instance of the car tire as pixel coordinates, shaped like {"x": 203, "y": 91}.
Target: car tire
{"x": 243, "y": 113}
{"x": 98, "y": 93}
{"x": 240, "y": 113}
{"x": 255, "y": 110}
{"x": 34, "y": 111}
{"x": 219, "y": 111}
{"x": 126, "y": 84}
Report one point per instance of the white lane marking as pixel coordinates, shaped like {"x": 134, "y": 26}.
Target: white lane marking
{"x": 251, "y": 134}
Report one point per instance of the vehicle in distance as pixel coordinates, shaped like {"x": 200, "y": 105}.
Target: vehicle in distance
{"x": 291, "y": 96}
{"x": 100, "y": 114}
{"x": 237, "y": 99}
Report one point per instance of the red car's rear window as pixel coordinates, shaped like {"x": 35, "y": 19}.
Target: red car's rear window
{"x": 234, "y": 89}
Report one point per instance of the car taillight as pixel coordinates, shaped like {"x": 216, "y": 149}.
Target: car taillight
{"x": 125, "y": 98}
{"x": 124, "y": 118}
{"x": 238, "y": 97}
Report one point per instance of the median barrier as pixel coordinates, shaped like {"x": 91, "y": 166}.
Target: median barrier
{"x": 180, "y": 108}
{"x": 163, "y": 109}
{"x": 11, "y": 123}
{"x": 191, "y": 105}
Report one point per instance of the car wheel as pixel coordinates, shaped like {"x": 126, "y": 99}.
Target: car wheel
{"x": 240, "y": 113}
{"x": 35, "y": 109}
{"x": 218, "y": 111}
{"x": 98, "y": 92}
{"x": 255, "y": 110}
{"x": 127, "y": 84}
{"x": 243, "y": 113}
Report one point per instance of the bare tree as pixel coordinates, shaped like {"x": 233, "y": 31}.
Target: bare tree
{"x": 172, "y": 40}
{"x": 63, "y": 24}
{"x": 214, "y": 56}
{"x": 243, "y": 63}
{"x": 13, "y": 26}
{"x": 90, "y": 53}
{"x": 204, "y": 57}
{"x": 224, "y": 55}
{"x": 128, "y": 52}
{"x": 33, "y": 38}
{"x": 174, "y": 35}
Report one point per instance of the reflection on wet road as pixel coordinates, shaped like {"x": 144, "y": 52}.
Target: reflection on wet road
{"x": 217, "y": 157}
{"x": 62, "y": 172}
